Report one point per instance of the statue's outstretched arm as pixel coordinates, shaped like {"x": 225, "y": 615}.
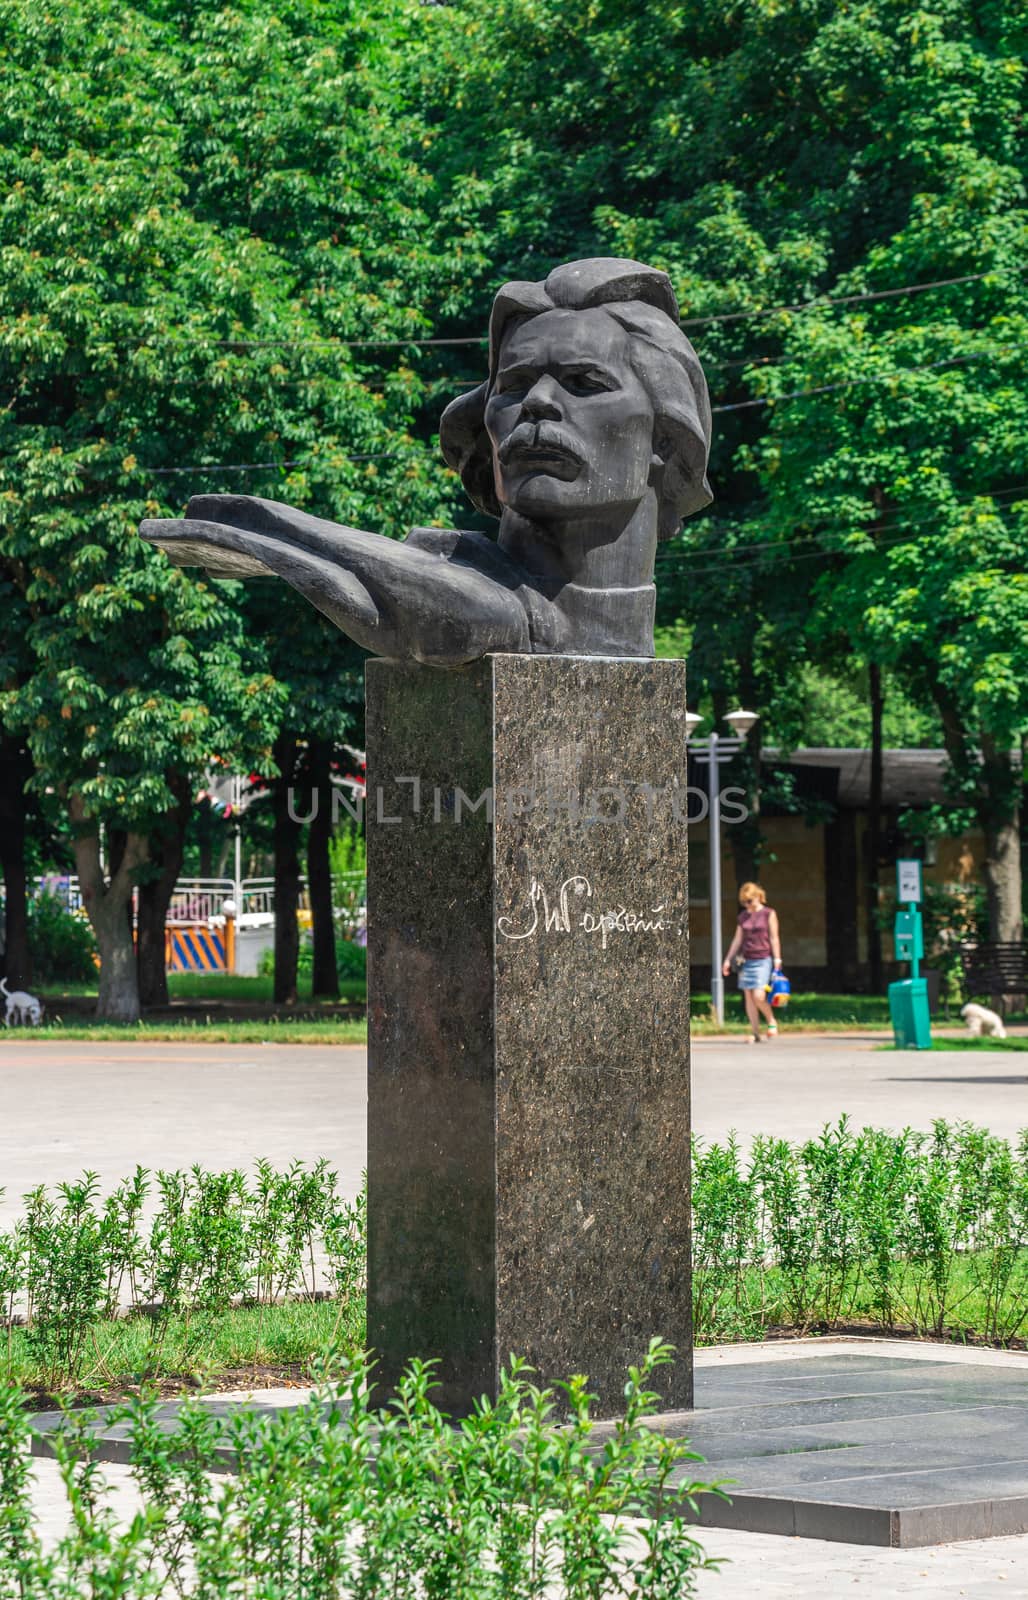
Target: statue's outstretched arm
{"x": 392, "y": 598}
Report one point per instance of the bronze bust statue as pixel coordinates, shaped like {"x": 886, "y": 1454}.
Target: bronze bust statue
{"x": 588, "y": 440}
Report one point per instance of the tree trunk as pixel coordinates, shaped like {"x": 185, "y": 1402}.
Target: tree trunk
{"x": 287, "y": 874}
{"x": 1003, "y": 881}
{"x": 117, "y": 839}
{"x": 1022, "y": 807}
{"x": 874, "y": 829}
{"x": 223, "y": 854}
{"x": 166, "y": 848}
{"x": 1002, "y": 826}
{"x": 109, "y": 908}
{"x": 842, "y": 902}
{"x": 15, "y": 771}
{"x": 325, "y": 977}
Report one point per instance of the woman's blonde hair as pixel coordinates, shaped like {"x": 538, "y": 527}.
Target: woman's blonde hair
{"x": 747, "y": 892}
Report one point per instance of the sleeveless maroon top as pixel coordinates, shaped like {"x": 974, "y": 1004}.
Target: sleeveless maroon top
{"x": 756, "y": 933}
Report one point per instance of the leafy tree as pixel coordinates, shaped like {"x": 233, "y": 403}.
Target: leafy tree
{"x": 905, "y": 480}
{"x": 15, "y": 776}
{"x": 203, "y": 203}
{"x": 766, "y": 156}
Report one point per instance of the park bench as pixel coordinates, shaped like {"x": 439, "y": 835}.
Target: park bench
{"x": 997, "y": 970}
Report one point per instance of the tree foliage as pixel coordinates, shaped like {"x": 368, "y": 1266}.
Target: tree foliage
{"x": 869, "y": 454}
{"x": 202, "y": 205}
{"x": 226, "y": 226}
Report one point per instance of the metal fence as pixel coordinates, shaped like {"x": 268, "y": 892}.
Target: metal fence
{"x": 202, "y": 900}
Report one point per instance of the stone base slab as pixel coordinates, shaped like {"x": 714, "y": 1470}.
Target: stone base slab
{"x": 916, "y": 1447}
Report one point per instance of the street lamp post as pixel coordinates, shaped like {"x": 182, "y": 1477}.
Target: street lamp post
{"x": 237, "y": 828}
{"x": 718, "y": 752}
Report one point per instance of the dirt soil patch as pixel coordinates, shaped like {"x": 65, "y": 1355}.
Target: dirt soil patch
{"x": 83, "y": 1008}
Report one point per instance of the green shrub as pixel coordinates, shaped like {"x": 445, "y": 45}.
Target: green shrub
{"x": 64, "y": 1275}
{"x": 924, "y": 1230}
{"x": 351, "y": 960}
{"x": 348, "y": 858}
{"x": 337, "y": 1500}
{"x": 61, "y": 945}
{"x": 216, "y": 1240}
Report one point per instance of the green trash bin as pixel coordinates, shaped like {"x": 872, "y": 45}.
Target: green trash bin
{"x": 908, "y": 1007}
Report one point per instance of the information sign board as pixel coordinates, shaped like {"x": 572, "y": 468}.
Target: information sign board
{"x": 908, "y": 882}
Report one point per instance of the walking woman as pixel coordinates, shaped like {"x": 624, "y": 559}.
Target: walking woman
{"x": 758, "y": 942}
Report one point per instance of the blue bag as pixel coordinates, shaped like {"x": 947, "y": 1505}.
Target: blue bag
{"x": 779, "y": 990}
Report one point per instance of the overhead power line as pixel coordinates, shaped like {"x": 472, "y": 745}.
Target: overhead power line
{"x": 810, "y": 555}
{"x": 755, "y": 359}
{"x": 267, "y": 466}
{"x": 893, "y": 335}
{"x": 795, "y": 394}
{"x": 840, "y": 300}
{"x": 820, "y": 303}
{"x": 724, "y": 564}
{"x": 673, "y": 554}
{"x": 873, "y": 377}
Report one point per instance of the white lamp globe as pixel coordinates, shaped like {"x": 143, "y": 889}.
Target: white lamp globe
{"x": 741, "y": 721}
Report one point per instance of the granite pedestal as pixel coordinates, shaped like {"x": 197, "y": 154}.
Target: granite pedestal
{"x": 528, "y": 1032}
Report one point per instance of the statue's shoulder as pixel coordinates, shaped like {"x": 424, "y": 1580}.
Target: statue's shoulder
{"x": 470, "y": 548}
{"x": 438, "y": 541}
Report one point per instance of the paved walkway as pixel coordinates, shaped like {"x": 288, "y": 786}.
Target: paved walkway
{"x": 66, "y": 1107}
{"x": 108, "y": 1107}
{"x": 793, "y": 1086}
{"x": 762, "y": 1567}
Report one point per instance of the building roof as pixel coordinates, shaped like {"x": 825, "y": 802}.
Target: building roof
{"x": 909, "y": 777}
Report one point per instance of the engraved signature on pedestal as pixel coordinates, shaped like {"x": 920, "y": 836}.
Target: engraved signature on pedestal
{"x": 558, "y": 914}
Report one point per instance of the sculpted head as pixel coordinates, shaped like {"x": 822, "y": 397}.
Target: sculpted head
{"x": 595, "y": 403}
{"x": 588, "y": 440}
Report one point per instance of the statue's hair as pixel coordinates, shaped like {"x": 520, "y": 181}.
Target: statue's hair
{"x": 643, "y": 302}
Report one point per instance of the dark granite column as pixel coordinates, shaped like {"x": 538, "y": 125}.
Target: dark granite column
{"x": 528, "y": 965}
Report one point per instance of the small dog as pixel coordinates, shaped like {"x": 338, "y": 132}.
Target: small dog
{"x": 22, "y": 1008}
{"x": 981, "y": 1020}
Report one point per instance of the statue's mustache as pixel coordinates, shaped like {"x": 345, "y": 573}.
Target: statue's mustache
{"x": 543, "y": 436}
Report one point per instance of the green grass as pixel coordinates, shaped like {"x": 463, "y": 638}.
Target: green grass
{"x": 267, "y": 1030}
{"x": 228, "y": 986}
{"x": 299, "y": 1334}
{"x": 120, "y": 1351}
{"x": 964, "y": 1042}
{"x": 804, "y": 1012}
{"x": 222, "y": 989}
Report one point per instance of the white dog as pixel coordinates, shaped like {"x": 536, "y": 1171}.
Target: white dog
{"x": 981, "y": 1020}
{"x": 21, "y": 1007}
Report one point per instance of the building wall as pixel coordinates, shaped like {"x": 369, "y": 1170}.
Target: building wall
{"x": 793, "y": 876}
{"x": 806, "y": 869}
